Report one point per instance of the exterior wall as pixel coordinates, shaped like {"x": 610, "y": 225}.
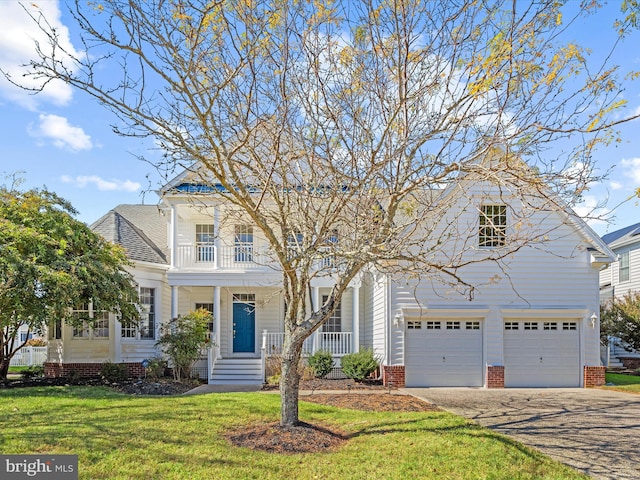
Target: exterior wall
{"x": 86, "y": 369}
{"x": 611, "y": 275}
{"x": 594, "y": 376}
{"x": 380, "y": 318}
{"x": 495, "y": 376}
{"x": 522, "y": 282}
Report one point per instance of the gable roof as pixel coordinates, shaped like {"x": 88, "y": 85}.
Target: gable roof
{"x": 140, "y": 229}
{"x": 623, "y": 236}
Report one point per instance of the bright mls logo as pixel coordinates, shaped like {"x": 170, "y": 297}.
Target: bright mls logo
{"x": 49, "y": 467}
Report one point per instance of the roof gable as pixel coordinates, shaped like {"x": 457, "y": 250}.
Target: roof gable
{"x": 140, "y": 229}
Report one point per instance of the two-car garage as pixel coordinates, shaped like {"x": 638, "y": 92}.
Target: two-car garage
{"x": 449, "y": 352}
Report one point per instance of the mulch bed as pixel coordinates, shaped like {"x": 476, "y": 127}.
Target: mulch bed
{"x": 306, "y": 438}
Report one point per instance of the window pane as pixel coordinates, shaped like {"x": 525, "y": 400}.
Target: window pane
{"x": 243, "y": 243}
{"x": 493, "y": 225}
{"x": 624, "y": 267}
{"x": 147, "y": 318}
{"x": 334, "y": 323}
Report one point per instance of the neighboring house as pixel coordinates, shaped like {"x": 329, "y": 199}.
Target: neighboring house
{"x": 619, "y": 278}
{"x": 533, "y": 323}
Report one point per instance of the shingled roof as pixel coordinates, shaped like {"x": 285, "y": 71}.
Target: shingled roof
{"x": 140, "y": 229}
{"x": 623, "y": 236}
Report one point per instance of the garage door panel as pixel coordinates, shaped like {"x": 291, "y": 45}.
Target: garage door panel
{"x": 547, "y": 356}
{"x": 444, "y": 357}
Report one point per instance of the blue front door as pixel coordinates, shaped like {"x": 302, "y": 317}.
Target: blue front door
{"x": 244, "y": 327}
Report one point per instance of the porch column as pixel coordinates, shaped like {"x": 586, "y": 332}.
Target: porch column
{"x": 216, "y": 237}
{"x": 117, "y": 341}
{"x": 216, "y": 317}
{"x": 174, "y": 302}
{"x": 173, "y": 240}
{"x": 315, "y": 298}
{"x": 355, "y": 309}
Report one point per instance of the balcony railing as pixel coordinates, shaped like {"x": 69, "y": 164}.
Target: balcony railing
{"x": 243, "y": 256}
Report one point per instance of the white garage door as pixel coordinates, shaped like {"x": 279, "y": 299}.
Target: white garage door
{"x": 541, "y": 353}
{"x": 443, "y": 353}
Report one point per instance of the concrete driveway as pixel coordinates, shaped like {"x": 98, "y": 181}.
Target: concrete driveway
{"x": 595, "y": 431}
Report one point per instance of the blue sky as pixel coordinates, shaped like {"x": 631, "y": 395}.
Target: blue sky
{"x": 63, "y": 139}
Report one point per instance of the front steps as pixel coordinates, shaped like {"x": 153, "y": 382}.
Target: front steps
{"x": 237, "y": 371}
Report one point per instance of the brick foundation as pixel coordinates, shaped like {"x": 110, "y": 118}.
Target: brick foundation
{"x": 393, "y": 374}
{"x": 632, "y": 363}
{"x": 87, "y": 369}
{"x": 593, "y": 376}
{"x": 495, "y": 376}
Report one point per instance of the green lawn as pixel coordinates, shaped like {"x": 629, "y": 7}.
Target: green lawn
{"x": 128, "y": 437}
{"x": 623, "y": 383}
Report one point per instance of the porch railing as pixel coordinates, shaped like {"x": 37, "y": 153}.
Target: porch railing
{"x": 212, "y": 351}
{"x": 336, "y": 343}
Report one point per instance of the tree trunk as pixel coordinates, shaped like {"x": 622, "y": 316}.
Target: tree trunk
{"x": 4, "y": 368}
{"x": 290, "y": 384}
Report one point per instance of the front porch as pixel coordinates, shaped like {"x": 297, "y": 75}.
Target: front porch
{"x": 252, "y": 370}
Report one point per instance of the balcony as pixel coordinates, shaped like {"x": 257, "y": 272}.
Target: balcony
{"x": 244, "y": 257}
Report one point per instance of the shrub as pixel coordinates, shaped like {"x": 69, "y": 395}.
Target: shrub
{"x": 321, "y": 362}
{"x": 113, "y": 372}
{"x": 183, "y": 339}
{"x": 156, "y": 368}
{"x": 359, "y": 365}
{"x": 33, "y": 371}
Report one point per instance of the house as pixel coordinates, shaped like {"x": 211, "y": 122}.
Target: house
{"x": 533, "y": 321}
{"x": 617, "y": 279}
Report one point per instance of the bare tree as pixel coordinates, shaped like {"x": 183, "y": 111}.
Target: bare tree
{"x": 350, "y": 128}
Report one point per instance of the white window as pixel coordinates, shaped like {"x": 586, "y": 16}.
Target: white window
{"x": 433, "y": 325}
{"x": 569, "y": 326}
{"x": 243, "y": 243}
{"x": 205, "y": 249}
{"x": 511, "y": 325}
{"x": 294, "y": 244}
{"x": 89, "y": 323}
{"x": 329, "y": 260}
{"x": 493, "y": 225}
{"x": 623, "y": 267}
{"x": 550, "y": 326}
{"x": 146, "y": 328}
{"x": 411, "y": 325}
{"x": 453, "y": 325}
{"x": 209, "y": 308}
{"x": 473, "y": 325}
{"x": 334, "y": 323}
{"x": 531, "y": 325}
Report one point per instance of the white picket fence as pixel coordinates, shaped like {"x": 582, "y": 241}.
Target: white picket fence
{"x": 28, "y": 356}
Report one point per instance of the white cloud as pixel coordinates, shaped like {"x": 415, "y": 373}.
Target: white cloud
{"x": 101, "y": 184}
{"x": 61, "y": 133}
{"x": 632, "y": 169}
{"x": 18, "y": 34}
{"x": 615, "y": 185}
